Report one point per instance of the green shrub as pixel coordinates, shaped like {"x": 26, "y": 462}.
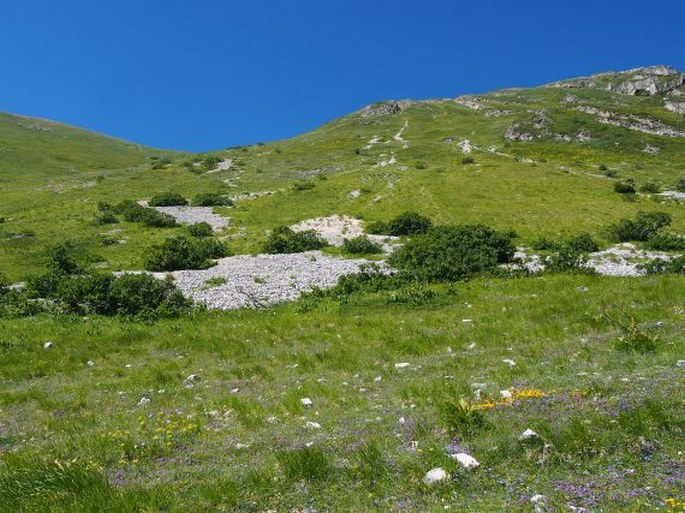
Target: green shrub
{"x": 567, "y": 259}
{"x": 142, "y": 295}
{"x": 582, "y": 243}
{"x": 210, "y": 162}
{"x": 284, "y": 240}
{"x": 680, "y": 184}
{"x": 167, "y": 199}
{"x": 409, "y": 223}
{"x": 361, "y": 245}
{"x": 650, "y": 187}
{"x": 212, "y": 199}
{"x": 610, "y": 173}
{"x": 461, "y": 419}
{"x": 624, "y": 187}
{"x": 661, "y": 266}
{"x": 450, "y": 253}
{"x": 135, "y": 213}
{"x": 378, "y": 228}
{"x": 62, "y": 259}
{"x": 200, "y": 230}
{"x": 106, "y": 218}
{"x": 642, "y": 228}
{"x": 603, "y": 167}
{"x": 303, "y": 186}
{"x": 666, "y": 242}
{"x": 183, "y": 252}
{"x": 468, "y": 160}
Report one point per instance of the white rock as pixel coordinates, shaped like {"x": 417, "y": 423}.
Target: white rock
{"x": 193, "y": 378}
{"x": 472, "y": 345}
{"x": 144, "y": 401}
{"x": 242, "y": 446}
{"x": 377, "y": 379}
{"x": 90, "y": 363}
{"x": 435, "y": 475}
{"x": 312, "y": 425}
{"x": 466, "y": 460}
{"x": 48, "y": 345}
{"x": 537, "y": 498}
{"x": 306, "y": 402}
{"x": 467, "y": 321}
{"x": 509, "y": 362}
{"x": 128, "y": 366}
{"x": 402, "y": 420}
{"x": 505, "y": 394}
{"x": 681, "y": 364}
{"x": 402, "y": 365}
{"x": 235, "y": 390}
{"x": 528, "y": 434}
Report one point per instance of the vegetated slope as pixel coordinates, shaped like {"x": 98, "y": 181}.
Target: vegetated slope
{"x": 541, "y": 161}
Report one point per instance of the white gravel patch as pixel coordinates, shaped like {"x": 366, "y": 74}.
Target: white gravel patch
{"x": 262, "y": 280}
{"x": 674, "y": 194}
{"x": 192, "y": 215}
{"x": 335, "y": 229}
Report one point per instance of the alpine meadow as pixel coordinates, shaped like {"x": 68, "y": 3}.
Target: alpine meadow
{"x": 464, "y": 304}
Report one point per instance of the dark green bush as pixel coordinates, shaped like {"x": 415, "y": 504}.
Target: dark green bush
{"x": 303, "y": 186}
{"x": 409, "y": 223}
{"x": 567, "y": 259}
{"x": 661, "y": 266}
{"x": 666, "y": 242}
{"x": 210, "y": 162}
{"x": 450, "y": 253}
{"x": 62, "y": 259}
{"x": 583, "y": 243}
{"x": 145, "y": 296}
{"x": 378, "y": 228}
{"x": 361, "y": 245}
{"x": 645, "y": 226}
{"x": 212, "y": 199}
{"x": 610, "y": 173}
{"x": 136, "y": 213}
{"x": 624, "y": 188}
{"x": 602, "y": 167}
{"x": 468, "y": 160}
{"x": 200, "y": 230}
{"x": 183, "y": 252}
{"x": 167, "y": 199}
{"x": 284, "y": 240}
{"x": 650, "y": 187}
{"x": 680, "y": 184}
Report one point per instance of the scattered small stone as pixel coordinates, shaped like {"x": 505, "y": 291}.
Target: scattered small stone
{"x": 402, "y": 365}
{"x": 48, "y": 345}
{"x": 242, "y": 446}
{"x": 306, "y": 402}
{"x": 538, "y": 502}
{"x": 449, "y": 350}
{"x": 505, "y": 394}
{"x": 271, "y": 420}
{"x": 582, "y": 289}
{"x": 538, "y": 498}
{"x": 472, "y": 345}
{"x": 467, "y": 461}
{"x": 467, "y": 321}
{"x": 681, "y": 364}
{"x": 435, "y": 475}
{"x": 90, "y": 363}
{"x": 402, "y": 420}
{"x": 128, "y": 366}
{"x": 235, "y": 390}
{"x": 144, "y": 401}
{"x": 377, "y": 379}
{"x": 193, "y": 378}
{"x": 312, "y": 425}
{"x": 528, "y": 434}
{"x": 509, "y": 362}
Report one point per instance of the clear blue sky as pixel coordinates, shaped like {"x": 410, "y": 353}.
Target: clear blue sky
{"x": 207, "y": 74}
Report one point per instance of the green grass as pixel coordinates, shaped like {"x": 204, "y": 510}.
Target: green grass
{"x": 593, "y": 376}
{"x": 238, "y": 438}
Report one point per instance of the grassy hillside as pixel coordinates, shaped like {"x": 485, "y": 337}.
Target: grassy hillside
{"x": 210, "y": 411}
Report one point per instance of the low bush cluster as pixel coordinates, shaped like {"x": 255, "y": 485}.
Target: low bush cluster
{"x": 661, "y": 266}
{"x": 284, "y": 240}
{"x": 136, "y": 213}
{"x": 67, "y": 287}
{"x": 624, "y": 187}
{"x": 645, "y": 226}
{"x": 361, "y": 245}
{"x": 212, "y": 199}
{"x": 452, "y": 253}
{"x": 200, "y": 230}
{"x": 407, "y": 223}
{"x": 184, "y": 252}
{"x": 167, "y": 199}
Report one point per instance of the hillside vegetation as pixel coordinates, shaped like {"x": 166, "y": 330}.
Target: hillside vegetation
{"x": 456, "y": 381}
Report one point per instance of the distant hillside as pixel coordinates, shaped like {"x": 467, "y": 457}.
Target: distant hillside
{"x": 541, "y": 161}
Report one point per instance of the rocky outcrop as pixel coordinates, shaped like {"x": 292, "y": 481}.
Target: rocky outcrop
{"x": 470, "y": 102}
{"x": 517, "y": 132}
{"x": 382, "y": 109}
{"x": 632, "y": 122}
{"x": 647, "y": 81}
{"x": 677, "y": 107}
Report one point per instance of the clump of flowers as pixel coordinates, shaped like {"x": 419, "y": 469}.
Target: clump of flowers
{"x": 674, "y": 505}
{"x": 515, "y": 396}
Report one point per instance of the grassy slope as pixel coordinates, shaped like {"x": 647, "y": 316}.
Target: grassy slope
{"x": 612, "y": 419}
